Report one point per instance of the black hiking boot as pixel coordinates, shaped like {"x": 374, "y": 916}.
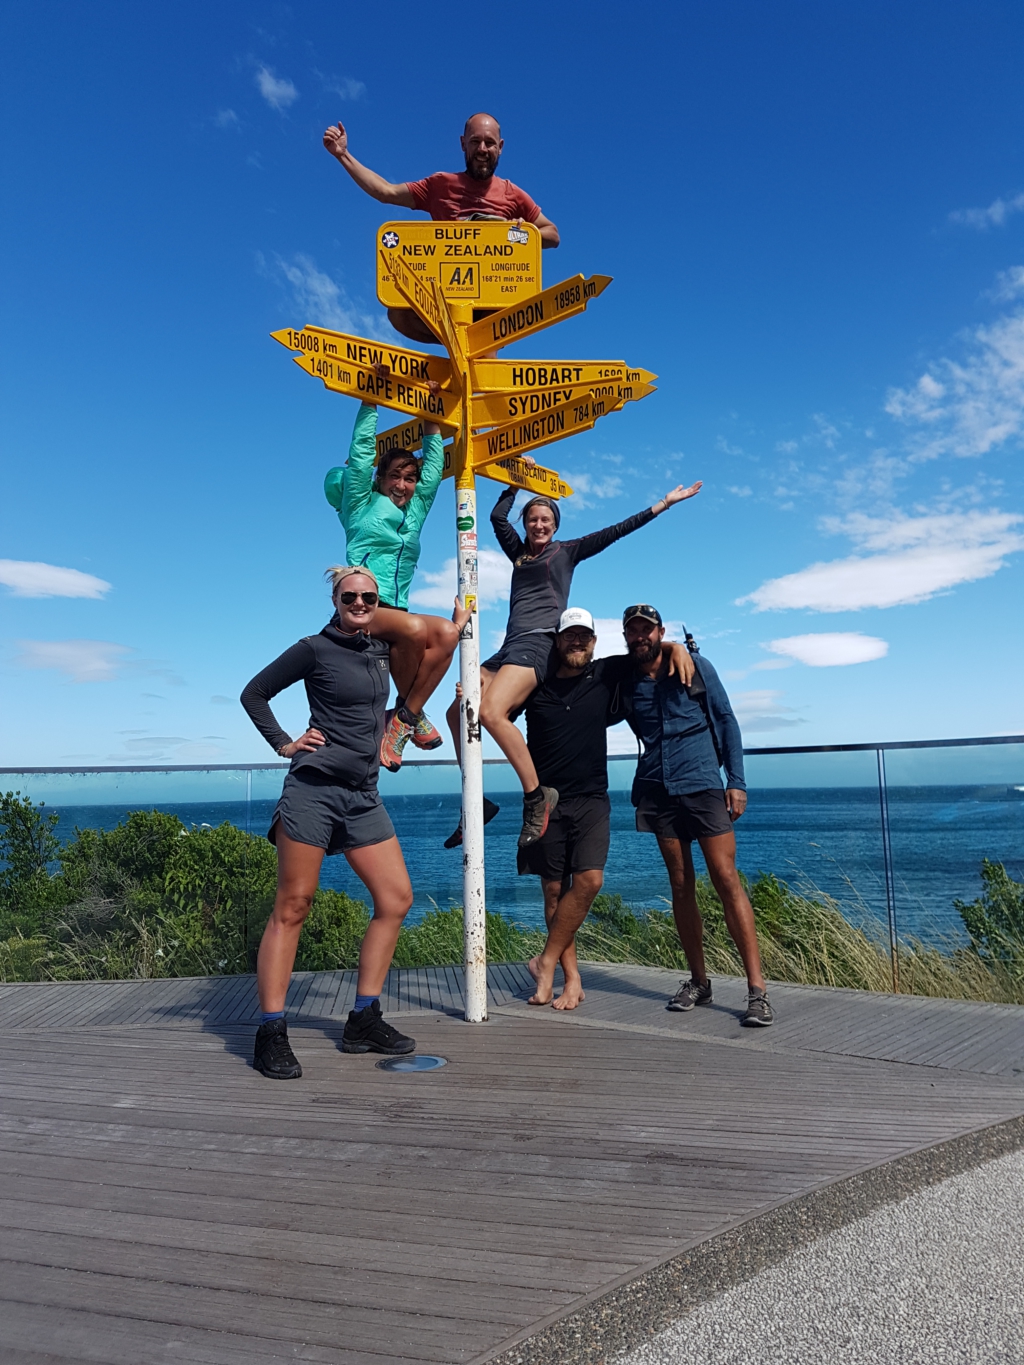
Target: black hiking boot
{"x": 367, "y": 1032}
{"x": 690, "y": 994}
{"x": 272, "y": 1054}
{"x": 536, "y": 814}
{"x": 490, "y": 811}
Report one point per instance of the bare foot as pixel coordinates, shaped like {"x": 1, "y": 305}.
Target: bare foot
{"x": 545, "y": 979}
{"x": 572, "y": 995}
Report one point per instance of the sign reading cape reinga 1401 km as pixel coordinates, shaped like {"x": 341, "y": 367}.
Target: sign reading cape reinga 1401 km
{"x": 477, "y": 288}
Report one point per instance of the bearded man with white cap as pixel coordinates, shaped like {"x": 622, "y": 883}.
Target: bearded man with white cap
{"x": 566, "y": 720}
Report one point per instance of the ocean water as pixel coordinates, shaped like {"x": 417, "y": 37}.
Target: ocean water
{"x": 826, "y": 837}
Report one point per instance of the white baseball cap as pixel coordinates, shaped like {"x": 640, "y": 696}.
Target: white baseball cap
{"x": 576, "y": 616}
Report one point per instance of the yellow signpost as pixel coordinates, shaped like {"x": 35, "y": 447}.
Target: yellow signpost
{"x": 498, "y": 410}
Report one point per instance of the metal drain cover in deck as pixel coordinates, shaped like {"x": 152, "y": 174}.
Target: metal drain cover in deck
{"x": 422, "y": 1061}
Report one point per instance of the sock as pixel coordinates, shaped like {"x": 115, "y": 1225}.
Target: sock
{"x": 269, "y": 1016}
{"x": 536, "y": 795}
{"x": 405, "y": 714}
{"x": 362, "y": 1001}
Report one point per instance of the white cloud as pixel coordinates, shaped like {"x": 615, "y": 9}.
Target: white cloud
{"x": 994, "y": 216}
{"x": 760, "y": 712}
{"x": 743, "y": 492}
{"x": 586, "y": 486}
{"x": 279, "y": 92}
{"x": 787, "y": 447}
{"x": 348, "y": 89}
{"x": 915, "y": 558}
{"x": 27, "y": 578}
{"x": 323, "y": 303}
{"x": 226, "y": 118}
{"x": 830, "y": 649}
{"x": 81, "y": 661}
{"x": 967, "y": 407}
{"x": 1009, "y": 284}
{"x": 723, "y": 445}
{"x": 222, "y": 701}
{"x": 495, "y": 574}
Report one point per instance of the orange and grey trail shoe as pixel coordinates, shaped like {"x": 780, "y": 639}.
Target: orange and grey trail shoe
{"x": 397, "y": 735}
{"x": 536, "y": 814}
{"x": 425, "y": 735}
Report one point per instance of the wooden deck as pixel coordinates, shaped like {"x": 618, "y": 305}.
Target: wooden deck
{"x": 161, "y": 1202}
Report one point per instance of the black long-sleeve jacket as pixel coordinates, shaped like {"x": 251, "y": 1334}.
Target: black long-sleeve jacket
{"x": 347, "y": 681}
{"x": 541, "y": 583}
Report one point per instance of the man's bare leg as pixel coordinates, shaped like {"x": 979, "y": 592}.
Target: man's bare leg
{"x": 689, "y": 925}
{"x": 720, "y": 855}
{"x": 572, "y": 992}
{"x": 569, "y": 913}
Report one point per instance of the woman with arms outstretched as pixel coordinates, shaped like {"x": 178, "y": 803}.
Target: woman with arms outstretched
{"x": 541, "y": 580}
{"x": 383, "y": 512}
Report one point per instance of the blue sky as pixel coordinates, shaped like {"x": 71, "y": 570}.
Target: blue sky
{"x": 814, "y": 216}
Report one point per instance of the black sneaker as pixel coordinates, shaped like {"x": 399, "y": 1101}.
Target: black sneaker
{"x": 535, "y": 816}
{"x": 759, "y": 1013}
{"x": 273, "y": 1055}
{"x": 690, "y": 994}
{"x": 490, "y": 811}
{"x": 367, "y": 1032}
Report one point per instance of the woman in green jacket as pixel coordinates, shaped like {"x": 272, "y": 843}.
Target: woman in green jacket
{"x": 383, "y": 512}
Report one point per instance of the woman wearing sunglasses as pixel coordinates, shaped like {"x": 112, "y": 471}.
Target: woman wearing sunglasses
{"x": 330, "y": 804}
{"x": 541, "y": 579}
{"x": 383, "y": 512}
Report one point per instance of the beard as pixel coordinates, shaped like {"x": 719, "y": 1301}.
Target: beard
{"x": 480, "y": 171}
{"x": 574, "y": 657}
{"x": 645, "y": 651}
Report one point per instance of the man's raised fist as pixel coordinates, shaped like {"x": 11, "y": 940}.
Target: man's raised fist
{"x": 336, "y": 140}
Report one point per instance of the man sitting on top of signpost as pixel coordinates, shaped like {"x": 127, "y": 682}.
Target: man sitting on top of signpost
{"x": 449, "y": 196}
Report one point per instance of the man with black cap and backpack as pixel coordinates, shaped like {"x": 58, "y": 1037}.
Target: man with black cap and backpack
{"x": 689, "y": 734}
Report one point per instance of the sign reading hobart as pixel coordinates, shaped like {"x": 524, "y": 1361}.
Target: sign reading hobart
{"x": 487, "y": 264}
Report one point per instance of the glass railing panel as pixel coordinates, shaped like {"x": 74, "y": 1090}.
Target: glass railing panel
{"x": 948, "y": 809}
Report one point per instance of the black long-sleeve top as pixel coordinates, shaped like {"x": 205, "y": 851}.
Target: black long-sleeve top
{"x": 347, "y": 681}
{"x": 541, "y": 583}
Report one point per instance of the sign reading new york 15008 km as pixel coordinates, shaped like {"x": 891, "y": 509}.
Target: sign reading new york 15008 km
{"x": 488, "y": 265}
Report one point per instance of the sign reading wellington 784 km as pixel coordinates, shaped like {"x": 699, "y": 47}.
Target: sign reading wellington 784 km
{"x": 476, "y": 287}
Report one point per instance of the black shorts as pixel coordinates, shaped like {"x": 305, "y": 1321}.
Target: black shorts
{"x": 316, "y": 810}
{"x": 525, "y": 651}
{"x": 698, "y": 815}
{"x": 575, "y": 840}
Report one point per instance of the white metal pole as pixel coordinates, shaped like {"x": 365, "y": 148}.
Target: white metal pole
{"x": 473, "y": 895}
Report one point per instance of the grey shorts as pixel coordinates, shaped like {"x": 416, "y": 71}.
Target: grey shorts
{"x": 697, "y": 815}
{"x": 525, "y": 651}
{"x": 315, "y": 810}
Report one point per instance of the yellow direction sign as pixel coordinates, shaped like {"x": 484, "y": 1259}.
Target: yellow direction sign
{"x": 542, "y": 310}
{"x": 516, "y": 438}
{"x": 486, "y": 264}
{"x": 534, "y": 477}
{"x": 403, "y": 363}
{"x": 426, "y": 303}
{"x": 509, "y": 376}
{"x": 491, "y": 408}
{"x": 390, "y": 391}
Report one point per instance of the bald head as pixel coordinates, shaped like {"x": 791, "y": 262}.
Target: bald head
{"x": 481, "y": 145}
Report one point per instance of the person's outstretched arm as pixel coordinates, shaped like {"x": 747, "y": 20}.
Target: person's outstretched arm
{"x": 504, "y": 532}
{"x": 348, "y": 487}
{"x": 588, "y": 546}
{"x": 290, "y": 667}
{"x": 336, "y": 142}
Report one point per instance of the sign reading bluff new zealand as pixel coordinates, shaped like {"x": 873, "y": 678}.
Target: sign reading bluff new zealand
{"x": 486, "y": 264}
{"x": 402, "y": 362}
{"x": 542, "y": 310}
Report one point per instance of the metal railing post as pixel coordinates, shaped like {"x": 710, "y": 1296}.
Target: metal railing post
{"x": 890, "y": 884}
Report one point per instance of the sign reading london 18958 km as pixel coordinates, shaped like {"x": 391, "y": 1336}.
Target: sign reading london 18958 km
{"x": 497, "y": 410}
{"x": 488, "y": 265}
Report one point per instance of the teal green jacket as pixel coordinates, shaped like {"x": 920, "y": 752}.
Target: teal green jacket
{"x": 378, "y": 534}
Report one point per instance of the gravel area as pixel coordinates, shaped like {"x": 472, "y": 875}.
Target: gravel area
{"x": 936, "y": 1279}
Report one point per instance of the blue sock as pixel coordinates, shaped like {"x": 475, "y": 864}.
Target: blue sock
{"x": 269, "y": 1016}
{"x": 363, "y": 1000}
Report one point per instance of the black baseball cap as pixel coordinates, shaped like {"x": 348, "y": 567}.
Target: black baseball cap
{"x": 644, "y": 610}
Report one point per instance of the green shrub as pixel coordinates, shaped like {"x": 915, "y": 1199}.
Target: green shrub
{"x": 995, "y": 921}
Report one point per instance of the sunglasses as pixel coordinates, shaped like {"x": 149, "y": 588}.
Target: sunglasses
{"x": 645, "y": 611}
{"x": 347, "y": 598}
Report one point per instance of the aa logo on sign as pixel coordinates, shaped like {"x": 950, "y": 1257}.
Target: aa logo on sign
{"x": 390, "y": 239}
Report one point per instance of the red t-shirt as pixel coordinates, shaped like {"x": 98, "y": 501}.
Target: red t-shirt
{"x": 450, "y": 195}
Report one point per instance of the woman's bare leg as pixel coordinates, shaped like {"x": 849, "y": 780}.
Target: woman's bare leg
{"x": 381, "y": 869}
{"x": 511, "y": 687}
{"x": 453, "y": 715}
{"x": 421, "y": 651}
{"x": 298, "y": 874}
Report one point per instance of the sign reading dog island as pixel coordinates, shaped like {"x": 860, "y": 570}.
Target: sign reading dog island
{"x": 476, "y": 287}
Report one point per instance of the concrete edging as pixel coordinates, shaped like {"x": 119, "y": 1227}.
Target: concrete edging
{"x": 631, "y": 1314}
